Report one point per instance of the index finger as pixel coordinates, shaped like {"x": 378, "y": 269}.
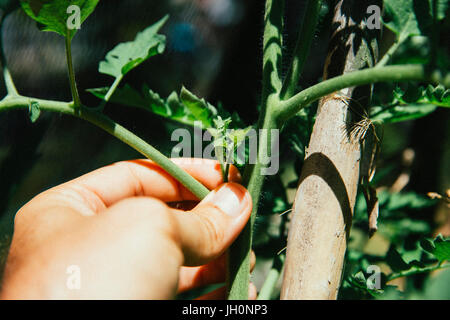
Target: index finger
{"x": 142, "y": 177}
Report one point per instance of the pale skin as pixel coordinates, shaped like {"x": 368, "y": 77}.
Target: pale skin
{"x": 118, "y": 225}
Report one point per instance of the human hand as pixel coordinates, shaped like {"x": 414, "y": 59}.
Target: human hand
{"x": 116, "y": 226}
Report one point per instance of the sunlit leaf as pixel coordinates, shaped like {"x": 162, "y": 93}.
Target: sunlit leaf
{"x": 53, "y": 15}
{"x": 128, "y": 55}
{"x": 411, "y": 17}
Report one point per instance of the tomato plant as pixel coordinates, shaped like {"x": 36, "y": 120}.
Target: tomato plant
{"x": 411, "y": 80}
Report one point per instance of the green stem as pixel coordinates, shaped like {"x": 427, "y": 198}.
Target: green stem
{"x": 416, "y": 271}
{"x": 272, "y": 50}
{"x": 226, "y": 172}
{"x": 302, "y": 48}
{"x": 395, "y": 73}
{"x": 388, "y": 55}
{"x": 9, "y": 83}
{"x": 113, "y": 128}
{"x": 73, "y": 84}
{"x": 238, "y": 270}
{"x": 110, "y": 92}
{"x": 271, "y": 280}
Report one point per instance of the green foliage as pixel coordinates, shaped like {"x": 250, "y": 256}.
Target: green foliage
{"x": 398, "y": 113}
{"x": 410, "y": 253}
{"x": 128, "y": 55}
{"x": 399, "y": 215}
{"x": 184, "y": 108}
{"x": 190, "y": 110}
{"x": 200, "y": 109}
{"x": 52, "y": 14}
{"x": 411, "y": 18}
{"x": 439, "y": 247}
{"x": 411, "y": 103}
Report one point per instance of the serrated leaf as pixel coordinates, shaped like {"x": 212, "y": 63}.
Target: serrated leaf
{"x": 439, "y": 247}
{"x": 411, "y": 17}
{"x": 128, "y": 55}
{"x": 190, "y": 111}
{"x": 52, "y": 15}
{"x": 34, "y": 111}
{"x": 202, "y": 110}
{"x": 411, "y": 103}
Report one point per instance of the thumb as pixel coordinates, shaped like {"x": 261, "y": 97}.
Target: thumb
{"x": 209, "y": 229}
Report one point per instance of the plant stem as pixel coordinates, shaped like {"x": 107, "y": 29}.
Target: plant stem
{"x": 9, "y": 83}
{"x": 73, "y": 84}
{"x": 272, "y": 278}
{"x": 110, "y": 92}
{"x": 388, "y": 55}
{"x": 416, "y": 271}
{"x": 395, "y": 73}
{"x": 272, "y": 50}
{"x": 113, "y": 128}
{"x": 302, "y": 48}
{"x": 238, "y": 270}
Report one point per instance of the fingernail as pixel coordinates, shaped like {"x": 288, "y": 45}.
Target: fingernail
{"x": 231, "y": 198}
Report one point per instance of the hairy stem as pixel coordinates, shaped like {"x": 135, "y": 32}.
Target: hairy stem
{"x": 272, "y": 50}
{"x": 73, "y": 84}
{"x": 238, "y": 271}
{"x": 302, "y": 47}
{"x": 395, "y": 73}
{"x": 113, "y": 128}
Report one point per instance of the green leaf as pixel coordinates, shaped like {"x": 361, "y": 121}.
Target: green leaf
{"x": 411, "y": 17}
{"x": 202, "y": 110}
{"x": 402, "y": 112}
{"x": 442, "y": 251}
{"x": 411, "y": 103}
{"x": 439, "y": 247}
{"x": 404, "y": 200}
{"x": 395, "y": 261}
{"x": 128, "y": 55}
{"x": 191, "y": 111}
{"x": 52, "y": 15}
{"x": 34, "y": 111}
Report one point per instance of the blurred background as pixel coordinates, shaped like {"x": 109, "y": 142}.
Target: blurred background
{"x": 214, "y": 50}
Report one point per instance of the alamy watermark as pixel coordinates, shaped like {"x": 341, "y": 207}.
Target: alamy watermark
{"x": 373, "y": 282}
{"x": 74, "y": 19}
{"x": 74, "y": 277}
{"x": 374, "y": 20}
{"x": 247, "y": 151}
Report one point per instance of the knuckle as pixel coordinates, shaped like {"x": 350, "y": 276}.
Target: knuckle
{"x": 214, "y": 234}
